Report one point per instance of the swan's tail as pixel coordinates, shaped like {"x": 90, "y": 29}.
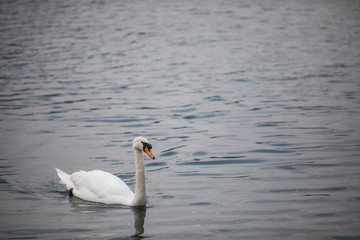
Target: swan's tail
{"x": 65, "y": 179}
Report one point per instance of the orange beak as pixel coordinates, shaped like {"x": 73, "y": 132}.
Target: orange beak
{"x": 149, "y": 153}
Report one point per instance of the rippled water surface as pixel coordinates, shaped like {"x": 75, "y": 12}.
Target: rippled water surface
{"x": 252, "y": 108}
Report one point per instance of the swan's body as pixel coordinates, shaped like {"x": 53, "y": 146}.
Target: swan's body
{"x": 104, "y": 187}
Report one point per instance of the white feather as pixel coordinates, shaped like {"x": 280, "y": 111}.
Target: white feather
{"x": 104, "y": 187}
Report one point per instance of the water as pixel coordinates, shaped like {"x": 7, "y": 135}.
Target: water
{"x": 252, "y": 108}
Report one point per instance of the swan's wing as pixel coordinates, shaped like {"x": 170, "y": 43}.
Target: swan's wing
{"x": 100, "y": 186}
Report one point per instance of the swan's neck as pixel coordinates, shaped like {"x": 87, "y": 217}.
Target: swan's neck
{"x": 140, "y": 195}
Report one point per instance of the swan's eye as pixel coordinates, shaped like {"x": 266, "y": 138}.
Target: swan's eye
{"x": 146, "y": 145}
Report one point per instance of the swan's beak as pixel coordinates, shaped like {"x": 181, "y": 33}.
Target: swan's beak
{"x": 149, "y": 153}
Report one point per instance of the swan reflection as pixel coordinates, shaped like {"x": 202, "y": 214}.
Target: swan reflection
{"x": 80, "y": 206}
{"x": 139, "y": 220}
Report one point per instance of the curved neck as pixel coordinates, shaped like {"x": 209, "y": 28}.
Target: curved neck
{"x": 140, "y": 195}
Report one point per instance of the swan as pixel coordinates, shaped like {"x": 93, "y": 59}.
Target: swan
{"x": 104, "y": 187}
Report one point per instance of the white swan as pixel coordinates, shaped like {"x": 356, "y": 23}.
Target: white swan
{"x": 104, "y": 187}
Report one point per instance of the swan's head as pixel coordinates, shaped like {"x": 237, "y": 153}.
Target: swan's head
{"x": 142, "y": 144}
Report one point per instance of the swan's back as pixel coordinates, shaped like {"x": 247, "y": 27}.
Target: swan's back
{"x": 100, "y": 186}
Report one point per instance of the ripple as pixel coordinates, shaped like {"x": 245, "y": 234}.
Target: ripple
{"x": 118, "y": 120}
{"x": 214, "y": 98}
{"x": 270, "y": 124}
{"x": 200, "y": 203}
{"x": 222, "y": 162}
{"x": 155, "y": 164}
{"x": 173, "y": 148}
{"x": 191, "y": 117}
{"x": 271, "y": 151}
{"x": 330, "y": 189}
{"x": 254, "y": 121}
{"x": 169, "y": 153}
{"x": 184, "y": 110}
{"x": 297, "y": 166}
{"x": 199, "y": 153}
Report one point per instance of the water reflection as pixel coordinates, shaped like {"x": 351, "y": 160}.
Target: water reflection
{"x": 80, "y": 206}
{"x": 139, "y": 220}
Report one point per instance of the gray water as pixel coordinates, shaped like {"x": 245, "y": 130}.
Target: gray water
{"x": 252, "y": 108}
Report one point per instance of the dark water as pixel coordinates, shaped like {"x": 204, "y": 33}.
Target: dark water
{"x": 252, "y": 107}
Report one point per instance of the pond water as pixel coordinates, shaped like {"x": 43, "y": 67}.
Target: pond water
{"x": 252, "y": 108}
